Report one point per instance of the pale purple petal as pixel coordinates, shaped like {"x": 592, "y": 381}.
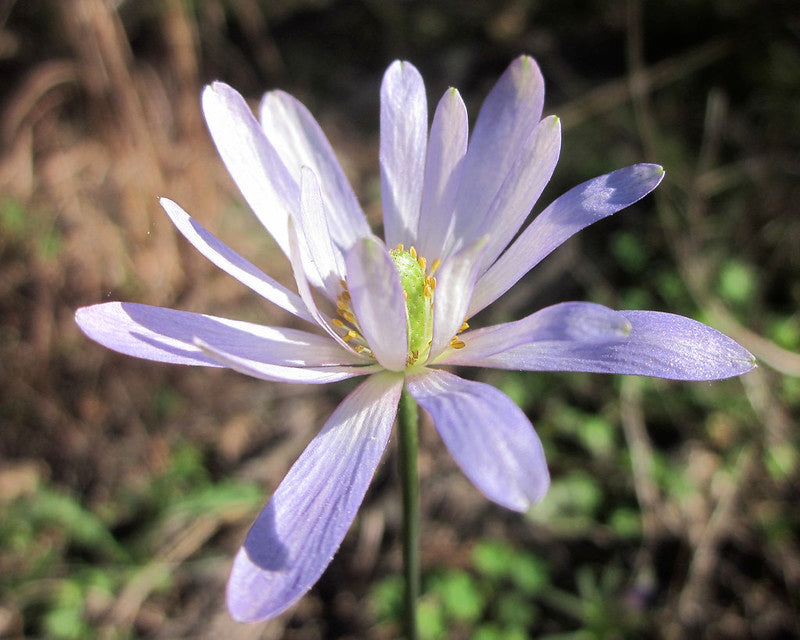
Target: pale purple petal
{"x": 168, "y": 335}
{"x": 455, "y": 281}
{"x": 661, "y": 345}
{"x": 404, "y": 129}
{"x": 522, "y": 187}
{"x": 257, "y": 169}
{"x": 576, "y": 209}
{"x": 378, "y": 302}
{"x": 488, "y": 435}
{"x": 508, "y": 115}
{"x": 296, "y": 535}
{"x": 231, "y": 262}
{"x": 312, "y": 218}
{"x": 446, "y": 149}
{"x": 296, "y": 258}
{"x": 278, "y": 373}
{"x": 299, "y": 141}
{"x": 573, "y": 322}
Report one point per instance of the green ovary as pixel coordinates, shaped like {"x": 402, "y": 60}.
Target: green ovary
{"x": 419, "y": 303}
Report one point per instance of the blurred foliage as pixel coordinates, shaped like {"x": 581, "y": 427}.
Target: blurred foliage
{"x": 65, "y": 563}
{"x": 125, "y": 487}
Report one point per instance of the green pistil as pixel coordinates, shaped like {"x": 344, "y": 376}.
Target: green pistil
{"x": 418, "y": 287}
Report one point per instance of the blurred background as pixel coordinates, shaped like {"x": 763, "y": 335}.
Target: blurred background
{"x": 126, "y": 486}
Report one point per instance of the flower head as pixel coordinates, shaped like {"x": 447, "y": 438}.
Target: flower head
{"x": 397, "y": 310}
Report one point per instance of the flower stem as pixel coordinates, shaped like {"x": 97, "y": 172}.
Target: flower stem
{"x": 409, "y": 481}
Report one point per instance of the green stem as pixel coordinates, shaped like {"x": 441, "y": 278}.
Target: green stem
{"x": 409, "y": 481}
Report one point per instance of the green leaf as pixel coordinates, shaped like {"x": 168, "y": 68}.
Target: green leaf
{"x": 460, "y": 596}
{"x": 492, "y": 558}
{"x": 737, "y": 281}
{"x": 530, "y": 573}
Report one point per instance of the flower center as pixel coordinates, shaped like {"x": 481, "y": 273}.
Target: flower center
{"x": 419, "y": 286}
{"x": 418, "y": 290}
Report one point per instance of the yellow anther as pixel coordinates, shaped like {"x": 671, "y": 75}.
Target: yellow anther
{"x": 422, "y": 262}
{"x": 350, "y": 335}
{"x": 343, "y": 283}
{"x": 337, "y": 323}
{"x": 399, "y": 246}
{"x": 457, "y": 344}
{"x": 427, "y": 291}
{"x": 436, "y": 264}
{"x": 413, "y": 252}
{"x": 359, "y": 348}
{"x": 346, "y": 315}
{"x": 431, "y": 282}
{"x": 464, "y": 327}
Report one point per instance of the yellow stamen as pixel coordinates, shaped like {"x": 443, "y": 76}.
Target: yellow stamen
{"x": 422, "y": 262}
{"x": 399, "y": 246}
{"x": 413, "y": 252}
{"x": 436, "y": 264}
{"x": 338, "y": 323}
{"x": 457, "y": 344}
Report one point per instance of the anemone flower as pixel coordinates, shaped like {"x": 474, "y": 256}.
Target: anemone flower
{"x": 396, "y": 310}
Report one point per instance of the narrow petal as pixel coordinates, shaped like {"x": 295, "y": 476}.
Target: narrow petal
{"x": 278, "y": 373}
{"x": 576, "y": 209}
{"x": 168, "y": 335}
{"x": 404, "y": 128}
{"x": 299, "y": 141}
{"x": 312, "y": 218}
{"x": 296, "y": 257}
{"x": 488, "y": 435}
{"x": 296, "y": 535}
{"x": 231, "y": 262}
{"x": 660, "y": 345}
{"x": 508, "y": 115}
{"x": 254, "y": 164}
{"x": 377, "y": 300}
{"x": 573, "y": 322}
{"x": 522, "y": 187}
{"x": 446, "y": 149}
{"x": 455, "y": 283}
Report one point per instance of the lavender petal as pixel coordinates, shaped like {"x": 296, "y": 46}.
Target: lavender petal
{"x": 404, "y": 130}
{"x": 300, "y": 141}
{"x": 296, "y": 535}
{"x": 232, "y": 263}
{"x": 576, "y": 209}
{"x": 571, "y": 322}
{"x": 378, "y": 302}
{"x": 660, "y": 345}
{"x": 488, "y": 435}
{"x": 168, "y": 335}
{"x": 254, "y": 164}
{"x": 446, "y": 149}
{"x": 510, "y": 112}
